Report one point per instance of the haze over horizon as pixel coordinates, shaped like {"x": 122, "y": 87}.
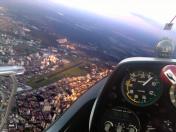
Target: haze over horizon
{"x": 114, "y": 8}
{"x": 150, "y": 14}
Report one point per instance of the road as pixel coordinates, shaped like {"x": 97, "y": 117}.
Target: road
{"x": 14, "y": 89}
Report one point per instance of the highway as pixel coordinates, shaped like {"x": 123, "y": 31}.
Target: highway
{"x": 14, "y": 89}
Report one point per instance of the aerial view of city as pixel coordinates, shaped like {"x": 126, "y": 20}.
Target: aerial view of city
{"x": 63, "y": 53}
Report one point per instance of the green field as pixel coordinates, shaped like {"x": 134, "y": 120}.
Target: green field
{"x": 25, "y": 49}
{"x": 55, "y": 76}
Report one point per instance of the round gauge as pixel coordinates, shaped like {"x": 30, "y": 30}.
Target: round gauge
{"x": 165, "y": 48}
{"x": 141, "y": 88}
{"x": 120, "y": 119}
{"x": 173, "y": 95}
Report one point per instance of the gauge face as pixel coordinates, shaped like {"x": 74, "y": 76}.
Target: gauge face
{"x": 173, "y": 95}
{"x": 141, "y": 88}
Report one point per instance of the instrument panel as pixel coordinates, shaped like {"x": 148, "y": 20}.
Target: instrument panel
{"x": 146, "y": 94}
{"x": 149, "y": 101}
{"x": 144, "y": 91}
{"x": 137, "y": 86}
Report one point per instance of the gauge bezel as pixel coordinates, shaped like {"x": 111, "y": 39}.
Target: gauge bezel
{"x": 117, "y": 113}
{"x": 140, "y": 104}
{"x": 172, "y": 95}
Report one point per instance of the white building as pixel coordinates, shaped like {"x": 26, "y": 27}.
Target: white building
{"x": 62, "y": 41}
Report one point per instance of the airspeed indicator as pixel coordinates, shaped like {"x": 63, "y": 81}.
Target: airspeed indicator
{"x": 141, "y": 88}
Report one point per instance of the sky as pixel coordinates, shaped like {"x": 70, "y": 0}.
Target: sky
{"x": 161, "y": 11}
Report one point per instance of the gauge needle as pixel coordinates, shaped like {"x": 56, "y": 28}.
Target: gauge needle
{"x": 147, "y": 81}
